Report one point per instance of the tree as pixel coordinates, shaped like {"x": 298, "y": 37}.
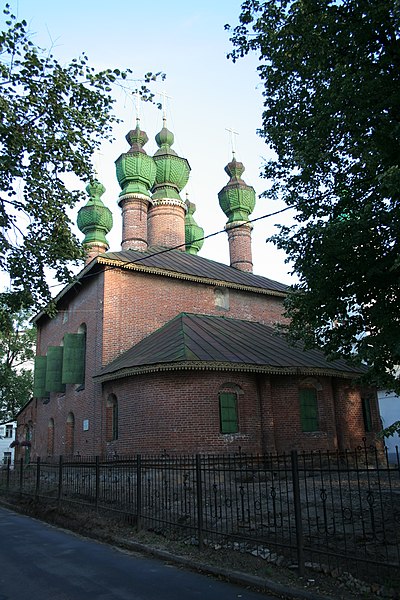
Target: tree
{"x": 53, "y": 118}
{"x": 17, "y": 345}
{"x": 331, "y": 76}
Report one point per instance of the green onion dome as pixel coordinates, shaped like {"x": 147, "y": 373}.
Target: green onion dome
{"x": 172, "y": 170}
{"x": 194, "y": 234}
{"x": 237, "y": 199}
{"x": 95, "y": 219}
{"x": 136, "y": 170}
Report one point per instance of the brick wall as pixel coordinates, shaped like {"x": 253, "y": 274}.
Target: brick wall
{"x": 134, "y": 223}
{"x": 136, "y": 304}
{"x": 166, "y": 225}
{"x": 240, "y": 254}
{"x": 83, "y": 403}
{"x": 179, "y": 412}
{"x": 176, "y": 411}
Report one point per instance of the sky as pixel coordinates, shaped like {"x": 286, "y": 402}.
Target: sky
{"x": 208, "y": 95}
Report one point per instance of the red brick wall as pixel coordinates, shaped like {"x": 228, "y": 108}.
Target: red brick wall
{"x": 180, "y": 413}
{"x": 134, "y": 223}
{"x": 176, "y": 411}
{"x": 240, "y": 248}
{"x": 349, "y": 415}
{"x": 286, "y": 403}
{"x": 84, "y": 402}
{"x": 166, "y": 226}
{"x": 136, "y": 304}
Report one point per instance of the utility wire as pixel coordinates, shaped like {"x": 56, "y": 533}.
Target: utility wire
{"x": 205, "y": 237}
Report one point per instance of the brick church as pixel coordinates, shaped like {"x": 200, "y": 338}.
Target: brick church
{"x": 154, "y": 348}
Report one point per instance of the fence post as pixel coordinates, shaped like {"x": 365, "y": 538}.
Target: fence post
{"x": 21, "y": 474}
{"x": 60, "y": 479}
{"x": 97, "y": 489}
{"x": 37, "y": 486}
{"x": 297, "y": 513}
{"x": 138, "y": 492}
{"x": 199, "y": 496}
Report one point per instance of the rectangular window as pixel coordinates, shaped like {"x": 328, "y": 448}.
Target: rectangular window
{"x": 228, "y": 412}
{"x": 366, "y": 410}
{"x": 309, "y": 409}
{"x": 9, "y": 431}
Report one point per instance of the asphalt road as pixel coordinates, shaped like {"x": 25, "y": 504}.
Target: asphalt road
{"x": 41, "y": 562}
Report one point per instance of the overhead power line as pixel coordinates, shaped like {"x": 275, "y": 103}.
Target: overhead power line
{"x": 164, "y": 250}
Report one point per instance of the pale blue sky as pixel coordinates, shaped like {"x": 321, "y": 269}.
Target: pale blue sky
{"x": 209, "y": 94}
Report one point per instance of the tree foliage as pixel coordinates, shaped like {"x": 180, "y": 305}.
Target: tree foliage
{"x": 331, "y": 76}
{"x": 17, "y": 345}
{"x": 53, "y": 117}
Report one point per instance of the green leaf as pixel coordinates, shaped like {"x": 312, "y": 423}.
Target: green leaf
{"x": 331, "y": 82}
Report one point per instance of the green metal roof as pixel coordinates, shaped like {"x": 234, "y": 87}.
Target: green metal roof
{"x": 191, "y": 341}
{"x": 182, "y": 265}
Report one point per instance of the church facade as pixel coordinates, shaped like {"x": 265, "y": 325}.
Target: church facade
{"x": 156, "y": 349}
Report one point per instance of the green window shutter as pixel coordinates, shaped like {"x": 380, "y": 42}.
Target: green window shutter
{"x": 228, "y": 412}
{"x": 309, "y": 409}
{"x": 54, "y": 369}
{"x": 39, "y": 377}
{"x": 73, "y": 368}
{"x": 366, "y": 410}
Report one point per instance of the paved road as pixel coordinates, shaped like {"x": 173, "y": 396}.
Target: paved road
{"x": 41, "y": 562}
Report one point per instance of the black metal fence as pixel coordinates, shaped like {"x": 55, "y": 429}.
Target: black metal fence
{"x": 331, "y": 510}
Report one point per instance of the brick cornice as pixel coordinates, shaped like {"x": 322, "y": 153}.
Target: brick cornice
{"x": 221, "y": 366}
{"x": 187, "y": 277}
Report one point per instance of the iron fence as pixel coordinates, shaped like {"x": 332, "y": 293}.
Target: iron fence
{"x": 333, "y": 510}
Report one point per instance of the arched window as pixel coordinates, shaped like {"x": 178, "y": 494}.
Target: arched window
{"x": 70, "y": 434}
{"x": 112, "y": 418}
{"x": 50, "y": 437}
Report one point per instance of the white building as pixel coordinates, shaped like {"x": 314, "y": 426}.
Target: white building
{"x": 389, "y": 406}
{"x": 7, "y": 436}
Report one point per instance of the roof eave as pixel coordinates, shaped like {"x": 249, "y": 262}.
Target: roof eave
{"x": 223, "y": 366}
{"x": 187, "y": 277}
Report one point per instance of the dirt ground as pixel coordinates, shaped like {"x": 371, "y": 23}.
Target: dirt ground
{"x": 333, "y": 586}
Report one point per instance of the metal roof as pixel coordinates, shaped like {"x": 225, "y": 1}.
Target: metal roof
{"x": 192, "y": 341}
{"x": 178, "y": 263}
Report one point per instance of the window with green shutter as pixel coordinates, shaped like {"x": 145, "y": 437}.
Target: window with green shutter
{"x": 39, "y": 378}
{"x": 309, "y": 409}
{"x": 228, "y": 412}
{"x": 366, "y": 410}
{"x": 73, "y": 368}
{"x": 54, "y": 369}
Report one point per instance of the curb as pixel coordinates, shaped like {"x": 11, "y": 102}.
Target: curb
{"x": 266, "y": 585}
